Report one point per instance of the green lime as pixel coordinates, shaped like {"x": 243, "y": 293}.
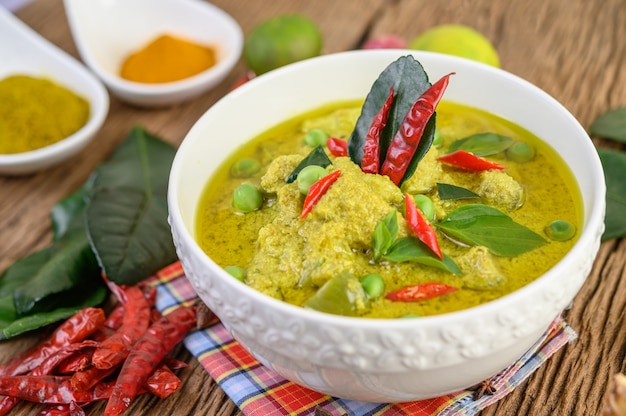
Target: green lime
{"x": 281, "y": 40}
{"x": 459, "y": 40}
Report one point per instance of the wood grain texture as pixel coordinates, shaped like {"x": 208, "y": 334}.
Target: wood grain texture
{"x": 573, "y": 49}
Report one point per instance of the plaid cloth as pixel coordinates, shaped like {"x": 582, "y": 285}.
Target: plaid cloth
{"x": 259, "y": 391}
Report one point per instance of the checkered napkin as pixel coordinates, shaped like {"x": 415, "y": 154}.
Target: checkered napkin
{"x": 259, "y": 391}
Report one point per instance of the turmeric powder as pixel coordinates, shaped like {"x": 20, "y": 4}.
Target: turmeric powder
{"x": 36, "y": 112}
{"x": 167, "y": 59}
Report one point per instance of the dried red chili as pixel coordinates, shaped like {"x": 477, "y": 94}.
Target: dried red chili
{"x": 337, "y": 147}
{"x": 405, "y": 142}
{"x": 317, "y": 190}
{"x": 147, "y": 353}
{"x": 370, "y": 162}
{"x": 469, "y": 161}
{"x": 416, "y": 220}
{"x": 423, "y": 291}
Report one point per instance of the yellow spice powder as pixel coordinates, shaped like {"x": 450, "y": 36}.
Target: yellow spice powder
{"x": 167, "y": 59}
{"x": 36, "y": 112}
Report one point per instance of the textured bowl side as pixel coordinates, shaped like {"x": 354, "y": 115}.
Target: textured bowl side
{"x": 374, "y": 360}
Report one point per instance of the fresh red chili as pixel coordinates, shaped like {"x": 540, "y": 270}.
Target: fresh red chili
{"x": 417, "y": 222}
{"x": 73, "y": 330}
{"x": 337, "y": 147}
{"x": 370, "y": 163}
{"x": 317, "y": 191}
{"x": 423, "y": 291}
{"x": 469, "y": 161}
{"x": 147, "y": 353}
{"x": 405, "y": 142}
{"x": 113, "y": 350}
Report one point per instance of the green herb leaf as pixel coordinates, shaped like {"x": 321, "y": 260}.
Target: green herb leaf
{"x": 481, "y": 225}
{"x": 384, "y": 235}
{"x": 68, "y": 214}
{"x": 614, "y": 165}
{"x": 449, "y": 192}
{"x": 482, "y": 144}
{"x": 412, "y": 249}
{"x": 610, "y": 125}
{"x": 409, "y": 81}
{"x": 126, "y": 213}
{"x": 317, "y": 157}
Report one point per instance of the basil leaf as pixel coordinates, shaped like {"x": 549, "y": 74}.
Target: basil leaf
{"x": 412, "y": 249}
{"x": 317, "y": 157}
{"x": 126, "y": 213}
{"x": 482, "y": 144}
{"x": 449, "y": 192}
{"x": 409, "y": 81}
{"x": 384, "y": 235}
{"x": 610, "y": 125}
{"x": 481, "y": 225}
{"x": 614, "y": 164}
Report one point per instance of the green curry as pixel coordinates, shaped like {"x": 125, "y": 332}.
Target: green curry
{"x": 480, "y": 208}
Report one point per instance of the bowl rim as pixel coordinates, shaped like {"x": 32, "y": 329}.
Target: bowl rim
{"x": 592, "y": 220}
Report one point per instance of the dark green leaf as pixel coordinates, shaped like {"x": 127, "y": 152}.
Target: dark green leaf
{"x": 614, "y": 164}
{"x": 126, "y": 213}
{"x": 317, "y": 157}
{"x": 411, "y": 249}
{"x": 12, "y": 327}
{"x": 448, "y": 192}
{"x": 610, "y": 125}
{"x": 481, "y": 225}
{"x": 69, "y": 214}
{"x": 68, "y": 263}
{"x": 129, "y": 233}
{"x": 384, "y": 234}
{"x": 409, "y": 81}
{"x": 482, "y": 144}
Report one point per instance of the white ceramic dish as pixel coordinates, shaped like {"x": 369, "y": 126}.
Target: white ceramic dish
{"x": 24, "y": 52}
{"x": 107, "y": 31}
{"x": 381, "y": 360}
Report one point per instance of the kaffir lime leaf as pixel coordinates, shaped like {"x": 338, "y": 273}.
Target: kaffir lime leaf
{"x": 459, "y": 40}
{"x": 281, "y": 40}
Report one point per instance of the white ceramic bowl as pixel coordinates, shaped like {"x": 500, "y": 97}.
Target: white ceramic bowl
{"x": 107, "y": 31}
{"x": 24, "y": 52}
{"x": 366, "y": 359}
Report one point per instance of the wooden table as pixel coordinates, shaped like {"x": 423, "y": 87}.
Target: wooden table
{"x": 573, "y": 49}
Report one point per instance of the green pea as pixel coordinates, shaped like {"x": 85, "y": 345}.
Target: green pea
{"x": 560, "y": 230}
{"x": 426, "y": 205}
{"x": 245, "y": 168}
{"x": 316, "y": 137}
{"x": 373, "y": 285}
{"x": 308, "y": 176}
{"x": 247, "y": 198}
{"x": 520, "y": 152}
{"x": 437, "y": 138}
{"x": 237, "y": 272}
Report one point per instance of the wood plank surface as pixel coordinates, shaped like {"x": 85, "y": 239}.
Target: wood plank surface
{"x": 573, "y": 49}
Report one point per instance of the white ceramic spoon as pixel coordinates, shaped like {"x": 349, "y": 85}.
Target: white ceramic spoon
{"x": 107, "y": 31}
{"x": 24, "y": 52}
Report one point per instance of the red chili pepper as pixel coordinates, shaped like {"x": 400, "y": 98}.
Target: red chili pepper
{"x": 370, "y": 163}
{"x": 423, "y": 291}
{"x": 421, "y": 227}
{"x": 317, "y": 191}
{"x": 147, "y": 353}
{"x": 113, "y": 350}
{"x": 337, "y": 147}
{"x": 73, "y": 330}
{"x": 405, "y": 142}
{"x": 163, "y": 382}
{"x": 58, "y": 357}
{"x": 469, "y": 161}
{"x": 50, "y": 389}
{"x": 75, "y": 362}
